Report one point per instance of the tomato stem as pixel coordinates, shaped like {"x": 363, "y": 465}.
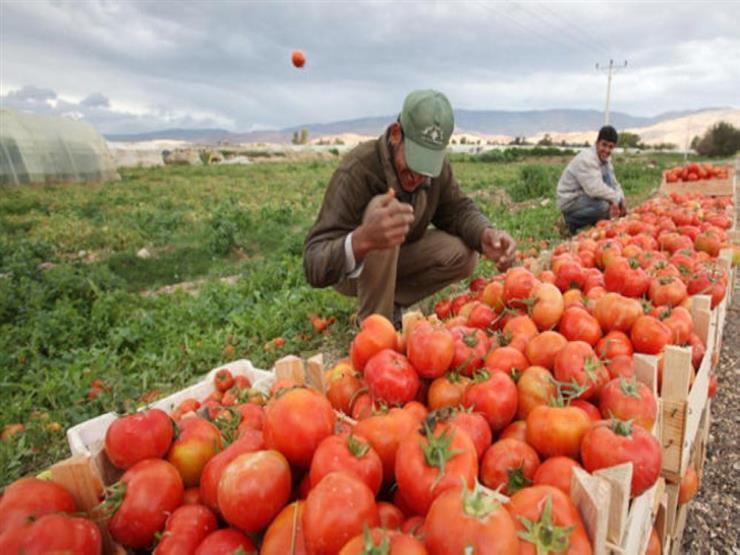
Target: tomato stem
{"x": 543, "y": 534}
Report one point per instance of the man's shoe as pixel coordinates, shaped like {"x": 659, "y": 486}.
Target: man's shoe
{"x": 563, "y": 228}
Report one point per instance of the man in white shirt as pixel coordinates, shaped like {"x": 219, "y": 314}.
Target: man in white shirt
{"x": 588, "y": 190}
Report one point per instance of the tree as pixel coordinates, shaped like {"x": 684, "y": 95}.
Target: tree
{"x": 629, "y": 140}
{"x": 722, "y": 139}
{"x": 545, "y": 141}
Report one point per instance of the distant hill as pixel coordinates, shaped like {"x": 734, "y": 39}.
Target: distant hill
{"x": 482, "y": 122}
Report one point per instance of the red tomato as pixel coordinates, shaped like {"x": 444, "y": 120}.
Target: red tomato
{"x": 515, "y": 430}
{"x": 542, "y": 349}
{"x": 152, "y": 490}
{"x": 509, "y": 360}
{"x": 471, "y": 348}
{"x": 629, "y": 400}
{"x": 348, "y": 453}
{"x": 391, "y": 378}
{"x": 376, "y": 334}
{"x": 613, "y": 344}
{"x": 430, "y": 350}
{"x": 29, "y": 499}
{"x": 260, "y": 481}
{"x": 226, "y": 541}
{"x": 186, "y": 528}
{"x": 214, "y": 468}
{"x": 138, "y": 436}
{"x": 615, "y": 312}
{"x": 298, "y": 58}
{"x": 388, "y": 542}
{"x": 689, "y": 485}
{"x": 611, "y": 443}
{"x": 620, "y": 366}
{"x": 649, "y": 335}
{"x": 391, "y": 517}
{"x": 493, "y": 296}
{"x": 481, "y": 316}
{"x": 223, "y": 380}
{"x": 518, "y": 286}
{"x": 495, "y": 397}
{"x": 569, "y": 275}
{"x": 577, "y": 361}
{"x": 667, "y": 290}
{"x": 547, "y": 508}
{"x": 342, "y": 386}
{"x": 509, "y": 463}
{"x": 556, "y": 431}
{"x": 535, "y": 387}
{"x": 578, "y": 325}
{"x": 476, "y": 426}
{"x": 296, "y": 422}
{"x": 419, "y": 479}
{"x": 653, "y": 547}
{"x": 286, "y": 532}
{"x": 446, "y": 391}
{"x": 557, "y": 472}
{"x": 625, "y": 276}
{"x": 588, "y": 408}
{"x": 442, "y": 309}
{"x": 252, "y": 418}
{"x": 327, "y": 522}
{"x": 462, "y": 521}
{"x": 53, "y": 533}
{"x": 548, "y": 306}
{"x": 197, "y": 442}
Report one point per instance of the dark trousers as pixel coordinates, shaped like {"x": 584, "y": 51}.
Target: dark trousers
{"x": 585, "y": 211}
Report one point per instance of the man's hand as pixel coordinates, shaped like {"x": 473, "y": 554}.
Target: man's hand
{"x": 499, "y": 247}
{"x": 385, "y": 224}
{"x": 613, "y": 211}
{"x": 623, "y": 207}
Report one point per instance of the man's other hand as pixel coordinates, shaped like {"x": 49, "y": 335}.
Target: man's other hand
{"x": 385, "y": 224}
{"x": 613, "y": 211}
{"x": 499, "y": 247}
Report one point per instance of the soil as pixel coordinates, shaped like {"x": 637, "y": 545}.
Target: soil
{"x": 712, "y": 523}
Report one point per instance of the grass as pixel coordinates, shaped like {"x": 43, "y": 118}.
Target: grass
{"x": 81, "y": 320}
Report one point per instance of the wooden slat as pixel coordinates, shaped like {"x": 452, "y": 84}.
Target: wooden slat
{"x": 676, "y": 373}
{"x": 619, "y": 479}
{"x": 646, "y": 370}
{"x": 592, "y": 497}
{"x": 640, "y": 521}
{"x": 701, "y": 315}
{"x": 290, "y": 368}
{"x": 315, "y": 372}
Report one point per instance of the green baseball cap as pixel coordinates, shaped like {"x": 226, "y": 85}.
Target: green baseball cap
{"x": 427, "y": 121}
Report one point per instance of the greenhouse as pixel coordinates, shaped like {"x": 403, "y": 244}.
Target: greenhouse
{"x": 45, "y": 149}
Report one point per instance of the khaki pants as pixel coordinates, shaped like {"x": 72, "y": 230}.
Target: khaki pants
{"x": 408, "y": 273}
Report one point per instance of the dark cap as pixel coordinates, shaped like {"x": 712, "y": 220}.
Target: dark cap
{"x": 608, "y": 133}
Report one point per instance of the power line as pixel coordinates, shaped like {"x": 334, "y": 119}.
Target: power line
{"x": 611, "y": 69}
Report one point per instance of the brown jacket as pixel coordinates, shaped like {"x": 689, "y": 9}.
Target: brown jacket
{"x": 365, "y": 172}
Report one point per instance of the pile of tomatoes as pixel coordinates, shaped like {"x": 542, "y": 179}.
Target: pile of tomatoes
{"x": 696, "y": 172}
{"x": 459, "y": 434}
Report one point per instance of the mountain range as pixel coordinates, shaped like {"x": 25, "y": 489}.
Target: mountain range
{"x": 483, "y": 122}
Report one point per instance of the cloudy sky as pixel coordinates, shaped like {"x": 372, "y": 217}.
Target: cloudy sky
{"x": 139, "y": 66}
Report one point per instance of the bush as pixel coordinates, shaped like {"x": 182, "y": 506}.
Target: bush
{"x": 535, "y": 181}
{"x": 722, "y": 139}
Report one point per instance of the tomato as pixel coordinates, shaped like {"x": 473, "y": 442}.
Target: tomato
{"x": 613, "y": 344}
{"x": 689, "y": 485}
{"x": 708, "y": 242}
{"x": 226, "y": 541}
{"x": 391, "y": 378}
{"x": 443, "y": 309}
{"x": 296, "y": 422}
{"x": 535, "y": 387}
{"x": 625, "y": 276}
{"x": 577, "y": 361}
{"x": 653, "y": 547}
{"x": 53, "y": 533}
{"x": 620, "y": 366}
{"x": 588, "y": 408}
{"x": 629, "y": 400}
{"x": 192, "y": 497}
{"x": 464, "y": 521}
{"x": 252, "y": 418}
{"x": 569, "y": 275}
{"x": 351, "y": 454}
{"x": 186, "y": 528}
{"x": 679, "y": 321}
{"x": 667, "y": 290}
{"x": 446, "y": 391}
{"x": 508, "y": 360}
{"x": 615, "y": 312}
{"x": 705, "y": 283}
{"x": 430, "y": 350}
{"x": 481, "y": 316}
{"x": 548, "y": 306}
{"x": 458, "y": 302}
{"x": 152, "y": 489}
{"x": 342, "y": 385}
{"x": 28, "y": 499}
{"x": 388, "y": 542}
{"x": 391, "y": 517}
{"x": 384, "y": 432}
{"x": 214, "y": 468}
{"x": 223, "y": 379}
{"x": 493, "y": 296}
{"x": 376, "y": 333}
{"x": 138, "y": 436}
{"x": 197, "y": 442}
{"x": 471, "y": 348}
{"x": 712, "y": 389}
{"x": 611, "y": 443}
{"x": 515, "y": 430}
{"x": 548, "y": 522}
{"x": 327, "y": 522}
{"x": 542, "y": 349}
{"x": 649, "y": 335}
{"x": 495, "y": 396}
{"x": 285, "y": 533}
{"x": 427, "y": 464}
{"x": 509, "y": 463}
{"x": 518, "y": 286}
{"x": 578, "y": 325}
{"x": 476, "y": 426}
{"x": 556, "y": 431}
{"x": 260, "y": 481}
{"x": 557, "y": 472}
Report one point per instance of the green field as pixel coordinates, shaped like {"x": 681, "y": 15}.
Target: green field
{"x": 68, "y": 318}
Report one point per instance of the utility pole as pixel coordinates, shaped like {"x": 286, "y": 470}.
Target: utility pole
{"x": 611, "y": 69}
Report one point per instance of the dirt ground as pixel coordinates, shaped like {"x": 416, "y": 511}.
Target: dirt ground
{"x": 712, "y": 524}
